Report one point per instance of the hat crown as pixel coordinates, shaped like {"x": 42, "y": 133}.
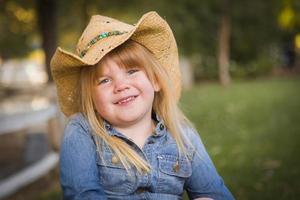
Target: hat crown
{"x": 97, "y": 25}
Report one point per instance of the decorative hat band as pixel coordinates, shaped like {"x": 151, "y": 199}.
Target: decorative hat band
{"x": 99, "y": 37}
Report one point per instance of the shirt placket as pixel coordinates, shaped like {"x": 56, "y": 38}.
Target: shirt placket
{"x": 148, "y": 153}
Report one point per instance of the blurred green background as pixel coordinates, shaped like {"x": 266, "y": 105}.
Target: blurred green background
{"x": 242, "y": 83}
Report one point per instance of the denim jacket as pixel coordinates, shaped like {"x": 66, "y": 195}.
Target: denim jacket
{"x": 84, "y": 174}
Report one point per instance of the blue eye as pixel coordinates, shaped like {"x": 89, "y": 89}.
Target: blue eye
{"x": 132, "y": 71}
{"x": 103, "y": 81}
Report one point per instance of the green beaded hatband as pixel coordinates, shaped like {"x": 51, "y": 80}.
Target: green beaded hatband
{"x": 99, "y": 37}
{"x": 102, "y": 35}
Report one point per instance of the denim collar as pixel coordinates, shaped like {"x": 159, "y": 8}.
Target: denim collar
{"x": 160, "y": 128}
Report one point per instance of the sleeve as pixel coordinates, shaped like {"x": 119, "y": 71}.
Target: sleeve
{"x": 79, "y": 175}
{"x": 205, "y": 180}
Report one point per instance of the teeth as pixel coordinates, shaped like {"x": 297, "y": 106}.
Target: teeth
{"x": 126, "y": 100}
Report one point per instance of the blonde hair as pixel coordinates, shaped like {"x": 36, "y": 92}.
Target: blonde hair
{"x": 165, "y": 106}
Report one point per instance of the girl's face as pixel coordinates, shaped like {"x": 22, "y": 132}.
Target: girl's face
{"x": 123, "y": 96}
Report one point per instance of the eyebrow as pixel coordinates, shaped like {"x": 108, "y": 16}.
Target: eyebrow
{"x": 102, "y": 75}
{"x": 99, "y": 72}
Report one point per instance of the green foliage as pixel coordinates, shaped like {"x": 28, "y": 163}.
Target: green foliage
{"x": 17, "y": 28}
{"x": 196, "y": 25}
{"x": 253, "y": 32}
{"x": 262, "y": 66}
{"x": 205, "y": 67}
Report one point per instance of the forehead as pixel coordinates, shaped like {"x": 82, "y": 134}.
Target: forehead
{"x": 106, "y": 67}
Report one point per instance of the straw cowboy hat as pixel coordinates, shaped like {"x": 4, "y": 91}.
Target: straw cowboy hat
{"x": 102, "y": 35}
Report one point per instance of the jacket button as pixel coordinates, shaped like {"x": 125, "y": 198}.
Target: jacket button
{"x": 108, "y": 127}
{"x": 161, "y": 127}
{"x": 176, "y": 167}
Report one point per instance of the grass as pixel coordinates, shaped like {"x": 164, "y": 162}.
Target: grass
{"x": 252, "y": 133}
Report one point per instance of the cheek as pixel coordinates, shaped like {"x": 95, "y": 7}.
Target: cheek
{"x": 148, "y": 89}
{"x": 144, "y": 83}
{"x": 99, "y": 100}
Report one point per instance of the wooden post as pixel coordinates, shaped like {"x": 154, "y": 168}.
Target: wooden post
{"x": 54, "y": 132}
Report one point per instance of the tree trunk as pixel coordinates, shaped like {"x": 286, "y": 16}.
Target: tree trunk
{"x": 46, "y": 12}
{"x": 187, "y": 74}
{"x": 224, "y": 45}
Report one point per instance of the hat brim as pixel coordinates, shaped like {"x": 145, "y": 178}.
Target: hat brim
{"x": 151, "y": 31}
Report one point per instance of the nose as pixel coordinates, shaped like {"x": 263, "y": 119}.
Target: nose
{"x": 121, "y": 85}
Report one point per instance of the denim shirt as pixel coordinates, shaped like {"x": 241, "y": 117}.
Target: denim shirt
{"x": 84, "y": 174}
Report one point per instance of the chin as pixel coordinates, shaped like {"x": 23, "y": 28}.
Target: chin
{"x": 130, "y": 118}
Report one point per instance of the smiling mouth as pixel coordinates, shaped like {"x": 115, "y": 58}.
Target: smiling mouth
{"x": 126, "y": 100}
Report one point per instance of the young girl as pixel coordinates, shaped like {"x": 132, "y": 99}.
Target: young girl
{"x": 126, "y": 137}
